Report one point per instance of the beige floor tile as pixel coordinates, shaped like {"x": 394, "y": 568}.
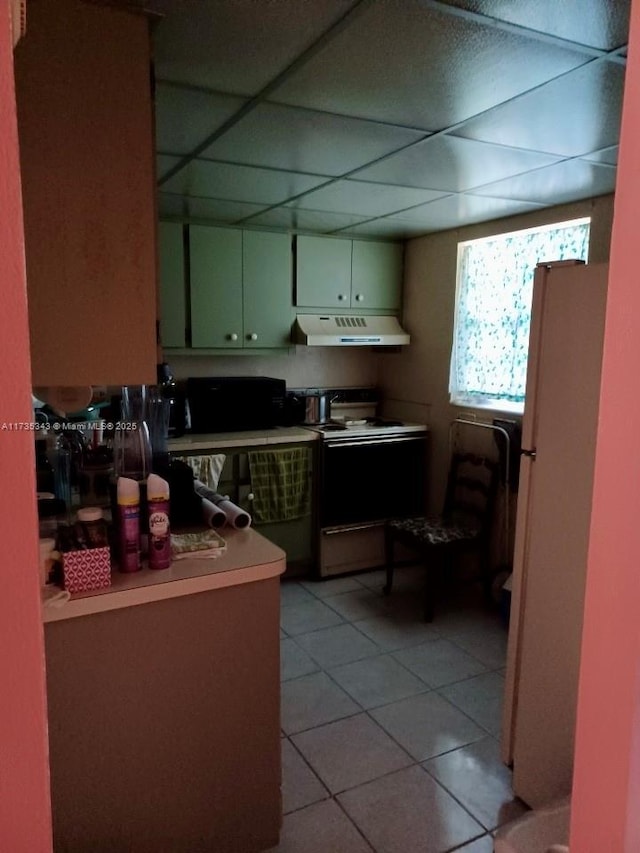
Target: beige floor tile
{"x": 308, "y": 616}
{"x": 377, "y": 681}
{"x": 357, "y": 604}
{"x": 320, "y": 828}
{"x": 375, "y": 579}
{"x": 439, "y": 662}
{"x": 300, "y": 785}
{"x": 292, "y": 592}
{"x": 349, "y": 752}
{"x": 481, "y": 845}
{"x": 333, "y": 586}
{"x": 312, "y": 701}
{"x": 480, "y": 698}
{"x": 393, "y": 632}
{"x": 294, "y": 661}
{"x": 484, "y": 638}
{"x": 337, "y": 645}
{"x": 478, "y": 779}
{"x": 427, "y": 725}
{"x": 407, "y": 812}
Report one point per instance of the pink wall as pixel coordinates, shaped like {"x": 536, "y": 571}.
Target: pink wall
{"x": 25, "y": 815}
{"x": 606, "y": 795}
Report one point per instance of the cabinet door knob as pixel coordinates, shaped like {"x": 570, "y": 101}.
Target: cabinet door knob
{"x": 233, "y": 337}
{"x": 251, "y": 496}
{"x": 341, "y": 296}
{"x": 252, "y": 337}
{"x": 359, "y": 297}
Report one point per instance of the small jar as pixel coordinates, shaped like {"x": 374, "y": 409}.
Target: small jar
{"x": 94, "y": 525}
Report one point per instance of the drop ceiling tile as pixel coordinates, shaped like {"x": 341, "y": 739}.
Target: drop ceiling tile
{"x": 407, "y": 65}
{"x": 236, "y": 45}
{"x": 567, "y": 181}
{"x": 186, "y": 117}
{"x": 363, "y": 198}
{"x": 598, "y": 23}
{"x": 607, "y": 155}
{"x": 165, "y": 162}
{"x": 220, "y": 210}
{"x": 571, "y": 116}
{"x": 306, "y": 220}
{"x": 307, "y": 141}
{"x": 396, "y": 229}
{"x": 453, "y": 164}
{"x": 239, "y": 183}
{"x": 458, "y": 210}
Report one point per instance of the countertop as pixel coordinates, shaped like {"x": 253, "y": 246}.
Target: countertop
{"x": 244, "y": 438}
{"x": 248, "y": 557}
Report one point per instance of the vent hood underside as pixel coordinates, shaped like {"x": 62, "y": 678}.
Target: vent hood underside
{"x": 324, "y": 330}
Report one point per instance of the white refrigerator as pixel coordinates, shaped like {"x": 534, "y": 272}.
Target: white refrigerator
{"x": 552, "y": 527}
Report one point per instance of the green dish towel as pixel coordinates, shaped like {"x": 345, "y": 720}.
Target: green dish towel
{"x": 280, "y": 484}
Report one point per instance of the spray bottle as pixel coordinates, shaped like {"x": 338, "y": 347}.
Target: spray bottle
{"x": 159, "y": 530}
{"x": 128, "y": 496}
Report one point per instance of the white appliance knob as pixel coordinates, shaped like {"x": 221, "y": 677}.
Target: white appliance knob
{"x": 233, "y": 337}
{"x": 253, "y": 337}
{"x": 359, "y": 297}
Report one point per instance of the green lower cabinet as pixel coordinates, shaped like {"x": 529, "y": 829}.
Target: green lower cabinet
{"x": 295, "y": 537}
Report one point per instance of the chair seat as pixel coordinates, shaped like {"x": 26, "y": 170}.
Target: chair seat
{"x": 432, "y": 531}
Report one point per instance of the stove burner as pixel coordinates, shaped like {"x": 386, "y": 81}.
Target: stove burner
{"x": 383, "y": 422}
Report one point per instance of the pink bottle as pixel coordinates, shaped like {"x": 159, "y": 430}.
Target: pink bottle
{"x": 159, "y": 528}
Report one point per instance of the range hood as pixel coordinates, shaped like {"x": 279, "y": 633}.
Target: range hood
{"x": 337, "y": 330}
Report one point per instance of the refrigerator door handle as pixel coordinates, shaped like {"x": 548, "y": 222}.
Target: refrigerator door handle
{"x": 530, "y": 453}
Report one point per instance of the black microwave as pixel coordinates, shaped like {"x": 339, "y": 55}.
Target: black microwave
{"x": 231, "y": 403}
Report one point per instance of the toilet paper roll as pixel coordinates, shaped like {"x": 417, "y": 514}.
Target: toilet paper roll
{"x": 236, "y": 516}
{"x": 212, "y": 515}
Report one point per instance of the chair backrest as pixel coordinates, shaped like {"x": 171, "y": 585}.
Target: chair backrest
{"x": 471, "y": 491}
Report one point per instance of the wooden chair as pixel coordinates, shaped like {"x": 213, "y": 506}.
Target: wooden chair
{"x": 465, "y": 523}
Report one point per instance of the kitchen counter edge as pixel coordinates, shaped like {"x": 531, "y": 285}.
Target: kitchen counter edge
{"x": 247, "y": 438}
{"x": 248, "y": 557}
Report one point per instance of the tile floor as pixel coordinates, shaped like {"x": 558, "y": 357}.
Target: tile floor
{"x": 390, "y": 725}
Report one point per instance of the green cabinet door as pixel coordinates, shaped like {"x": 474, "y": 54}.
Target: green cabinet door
{"x": 216, "y": 286}
{"x": 376, "y": 280}
{"x": 267, "y": 289}
{"x": 323, "y": 274}
{"x": 172, "y": 284}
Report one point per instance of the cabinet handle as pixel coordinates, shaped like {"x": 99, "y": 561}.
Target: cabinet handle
{"x": 233, "y": 337}
{"x": 359, "y": 297}
{"x": 251, "y": 496}
{"x": 252, "y": 337}
{"x": 341, "y": 296}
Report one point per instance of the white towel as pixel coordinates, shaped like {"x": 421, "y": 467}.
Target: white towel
{"x": 207, "y": 469}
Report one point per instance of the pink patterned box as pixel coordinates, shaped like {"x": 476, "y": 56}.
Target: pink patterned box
{"x": 86, "y": 569}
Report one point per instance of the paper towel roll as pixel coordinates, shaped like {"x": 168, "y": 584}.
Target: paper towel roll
{"x": 212, "y": 515}
{"x": 236, "y": 516}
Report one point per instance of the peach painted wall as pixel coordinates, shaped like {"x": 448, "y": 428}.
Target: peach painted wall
{"x": 606, "y": 812}
{"x": 25, "y": 814}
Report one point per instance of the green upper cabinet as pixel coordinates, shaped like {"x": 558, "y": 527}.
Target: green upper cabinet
{"x": 173, "y": 319}
{"x": 347, "y": 275}
{"x": 216, "y": 286}
{"x": 241, "y": 288}
{"x": 267, "y": 289}
{"x": 323, "y": 274}
{"x": 376, "y": 275}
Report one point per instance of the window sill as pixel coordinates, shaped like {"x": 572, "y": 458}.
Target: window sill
{"x": 503, "y": 408}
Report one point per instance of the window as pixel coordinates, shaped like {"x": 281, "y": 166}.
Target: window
{"x": 493, "y": 310}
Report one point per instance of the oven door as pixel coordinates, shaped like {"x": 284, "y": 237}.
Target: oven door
{"x": 371, "y": 479}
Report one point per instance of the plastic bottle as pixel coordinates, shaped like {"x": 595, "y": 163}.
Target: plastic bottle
{"x": 128, "y": 496}
{"x": 159, "y": 528}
